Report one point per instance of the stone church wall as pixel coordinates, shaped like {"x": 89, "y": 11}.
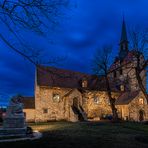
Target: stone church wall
{"x": 132, "y": 110}
{"x": 94, "y": 103}
{"x": 30, "y": 114}
{"x": 48, "y": 109}
{"x": 97, "y": 104}
{"x": 137, "y": 105}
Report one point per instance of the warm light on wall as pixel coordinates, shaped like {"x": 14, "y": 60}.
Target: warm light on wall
{"x": 141, "y": 101}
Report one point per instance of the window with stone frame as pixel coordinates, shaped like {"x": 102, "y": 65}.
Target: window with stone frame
{"x": 56, "y": 97}
{"x": 45, "y": 110}
{"x": 96, "y": 100}
{"x": 141, "y": 101}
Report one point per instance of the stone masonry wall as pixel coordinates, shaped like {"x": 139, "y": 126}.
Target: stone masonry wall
{"x": 47, "y": 109}
{"x": 30, "y": 114}
{"x": 94, "y": 103}
{"x": 135, "y": 106}
{"x": 131, "y": 111}
{"x": 97, "y": 104}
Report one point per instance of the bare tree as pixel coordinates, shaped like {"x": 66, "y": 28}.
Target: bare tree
{"x": 32, "y": 15}
{"x": 101, "y": 63}
{"x": 139, "y": 43}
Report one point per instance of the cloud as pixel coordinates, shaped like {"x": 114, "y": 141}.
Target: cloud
{"x": 88, "y": 26}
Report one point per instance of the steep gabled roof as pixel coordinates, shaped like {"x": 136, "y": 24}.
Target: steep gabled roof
{"x": 126, "y": 97}
{"x": 55, "y": 77}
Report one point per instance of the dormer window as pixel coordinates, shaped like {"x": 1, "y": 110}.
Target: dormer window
{"x": 84, "y": 83}
{"x": 141, "y": 101}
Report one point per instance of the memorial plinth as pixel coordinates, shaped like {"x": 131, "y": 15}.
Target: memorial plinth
{"x": 14, "y": 120}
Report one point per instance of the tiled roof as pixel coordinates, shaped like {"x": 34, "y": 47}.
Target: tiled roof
{"x": 28, "y": 102}
{"x": 126, "y": 97}
{"x": 55, "y": 77}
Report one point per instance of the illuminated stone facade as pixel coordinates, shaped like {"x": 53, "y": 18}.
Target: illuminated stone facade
{"x": 93, "y": 103}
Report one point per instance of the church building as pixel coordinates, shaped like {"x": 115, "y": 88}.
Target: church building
{"x": 73, "y": 96}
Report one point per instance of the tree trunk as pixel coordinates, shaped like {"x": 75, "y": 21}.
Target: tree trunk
{"x": 112, "y": 100}
{"x": 138, "y": 77}
{"x": 141, "y": 85}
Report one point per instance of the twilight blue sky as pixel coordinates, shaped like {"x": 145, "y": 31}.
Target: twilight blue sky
{"x": 85, "y": 26}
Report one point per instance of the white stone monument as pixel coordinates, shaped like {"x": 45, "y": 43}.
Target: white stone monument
{"x": 14, "y": 120}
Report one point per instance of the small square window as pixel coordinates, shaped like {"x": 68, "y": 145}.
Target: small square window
{"x": 56, "y": 97}
{"x": 45, "y": 110}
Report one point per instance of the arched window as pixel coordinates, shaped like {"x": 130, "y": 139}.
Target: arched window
{"x": 56, "y": 97}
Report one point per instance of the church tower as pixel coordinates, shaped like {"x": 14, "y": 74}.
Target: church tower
{"x": 123, "y": 51}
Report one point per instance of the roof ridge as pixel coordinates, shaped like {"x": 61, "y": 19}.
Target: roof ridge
{"x": 65, "y": 70}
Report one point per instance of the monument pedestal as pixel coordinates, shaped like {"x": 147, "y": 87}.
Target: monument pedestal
{"x": 15, "y": 122}
{"x": 13, "y": 132}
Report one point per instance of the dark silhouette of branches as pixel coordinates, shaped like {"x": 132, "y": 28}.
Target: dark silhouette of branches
{"x": 36, "y": 16}
{"x": 100, "y": 66}
{"x": 139, "y": 43}
{"x": 33, "y": 15}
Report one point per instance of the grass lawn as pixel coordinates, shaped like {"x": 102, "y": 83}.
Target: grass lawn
{"x": 86, "y": 135}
